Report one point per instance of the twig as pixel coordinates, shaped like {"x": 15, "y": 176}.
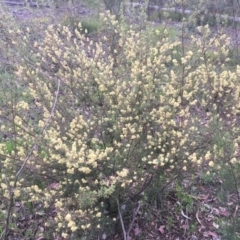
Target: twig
{"x": 24, "y": 4}
{"x": 198, "y": 218}
{"x": 121, "y": 220}
{"x": 235, "y": 183}
{"x": 43, "y": 129}
{"x": 133, "y": 219}
{"x": 183, "y": 214}
{"x": 4, "y": 234}
{"x": 10, "y": 195}
{"x": 146, "y": 183}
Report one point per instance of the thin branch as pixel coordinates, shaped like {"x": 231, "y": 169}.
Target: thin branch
{"x": 43, "y": 129}
{"x": 146, "y": 183}
{"x": 133, "y": 219}
{"x": 10, "y": 195}
{"x": 121, "y": 220}
{"x": 235, "y": 182}
{"x": 4, "y": 235}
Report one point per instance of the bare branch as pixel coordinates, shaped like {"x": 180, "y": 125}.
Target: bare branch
{"x": 121, "y": 220}
{"x": 133, "y": 219}
{"x": 4, "y": 234}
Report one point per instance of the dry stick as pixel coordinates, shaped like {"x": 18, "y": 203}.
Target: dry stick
{"x": 133, "y": 220}
{"x": 235, "y": 183}
{"x": 144, "y": 186}
{"x": 24, "y": 4}
{"x": 126, "y": 234}
{"x": 121, "y": 220}
{"x": 4, "y": 234}
{"x": 183, "y": 53}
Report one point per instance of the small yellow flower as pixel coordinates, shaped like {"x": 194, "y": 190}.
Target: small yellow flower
{"x": 73, "y": 228}
{"x": 16, "y": 192}
{"x": 211, "y": 164}
{"x": 99, "y": 214}
{"x": 70, "y": 170}
{"x": 58, "y": 204}
{"x": 122, "y": 173}
{"x": 233, "y": 160}
{"x": 68, "y": 217}
{"x": 64, "y": 235}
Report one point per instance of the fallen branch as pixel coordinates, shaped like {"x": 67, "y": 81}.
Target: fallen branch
{"x": 24, "y": 4}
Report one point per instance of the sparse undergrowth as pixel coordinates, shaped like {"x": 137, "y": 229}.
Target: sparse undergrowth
{"x": 129, "y": 131}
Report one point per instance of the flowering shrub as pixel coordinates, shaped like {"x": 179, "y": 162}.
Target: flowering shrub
{"x": 100, "y": 121}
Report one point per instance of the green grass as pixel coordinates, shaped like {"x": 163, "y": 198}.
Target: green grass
{"x": 89, "y": 24}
